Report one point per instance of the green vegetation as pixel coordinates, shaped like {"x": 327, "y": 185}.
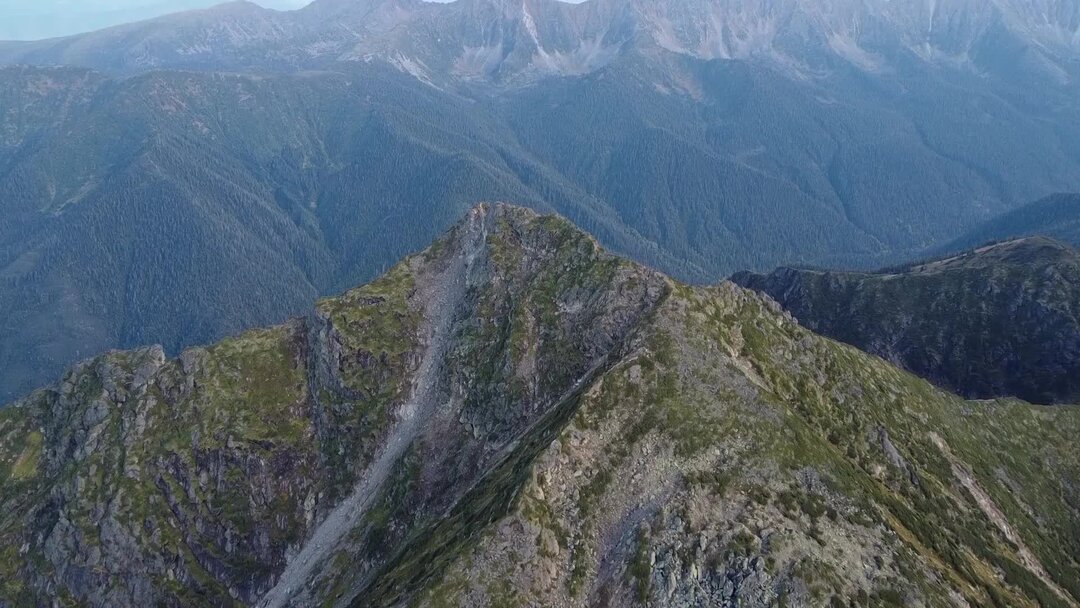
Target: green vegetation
{"x": 26, "y": 465}
{"x": 860, "y": 395}
{"x": 994, "y": 322}
{"x": 433, "y": 548}
{"x": 378, "y": 327}
{"x": 1056, "y": 216}
{"x": 254, "y": 384}
{"x": 601, "y": 432}
{"x": 245, "y": 190}
{"x": 376, "y": 319}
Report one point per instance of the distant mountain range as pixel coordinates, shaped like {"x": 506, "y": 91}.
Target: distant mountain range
{"x": 179, "y": 179}
{"x": 522, "y": 40}
{"x": 1001, "y": 320}
{"x": 513, "y": 417}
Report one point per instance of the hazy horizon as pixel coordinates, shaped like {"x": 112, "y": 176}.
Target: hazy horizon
{"x": 24, "y": 20}
{"x": 30, "y": 20}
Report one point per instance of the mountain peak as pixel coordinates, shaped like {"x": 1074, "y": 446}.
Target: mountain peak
{"x": 514, "y": 413}
{"x": 328, "y": 8}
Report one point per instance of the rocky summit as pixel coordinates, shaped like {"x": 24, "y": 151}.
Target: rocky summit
{"x": 514, "y": 417}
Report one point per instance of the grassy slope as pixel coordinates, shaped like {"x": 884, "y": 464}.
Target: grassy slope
{"x": 1001, "y": 320}
{"x": 212, "y": 467}
{"x": 723, "y": 418}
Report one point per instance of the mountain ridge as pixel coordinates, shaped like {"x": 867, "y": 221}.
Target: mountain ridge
{"x": 754, "y": 455}
{"x": 998, "y": 320}
{"x": 1056, "y": 216}
{"x": 732, "y": 29}
{"x": 298, "y": 154}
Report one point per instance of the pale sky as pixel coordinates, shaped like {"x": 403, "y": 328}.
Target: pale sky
{"x": 34, "y": 19}
{"x": 37, "y": 19}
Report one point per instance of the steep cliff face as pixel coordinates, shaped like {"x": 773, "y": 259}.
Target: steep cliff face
{"x": 197, "y": 480}
{"x": 1000, "y": 320}
{"x": 514, "y": 417}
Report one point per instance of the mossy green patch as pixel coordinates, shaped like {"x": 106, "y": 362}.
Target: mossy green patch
{"x": 26, "y": 465}
{"x": 376, "y": 319}
{"x": 248, "y": 388}
{"x": 378, "y": 328}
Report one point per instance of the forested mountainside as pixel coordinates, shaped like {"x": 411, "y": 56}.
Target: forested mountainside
{"x": 1056, "y": 216}
{"x": 238, "y": 152}
{"x": 1000, "y": 320}
{"x": 513, "y": 417}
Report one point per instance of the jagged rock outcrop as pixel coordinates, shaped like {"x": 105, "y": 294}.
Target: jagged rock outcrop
{"x": 514, "y": 417}
{"x": 1000, "y": 320}
{"x": 521, "y": 40}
